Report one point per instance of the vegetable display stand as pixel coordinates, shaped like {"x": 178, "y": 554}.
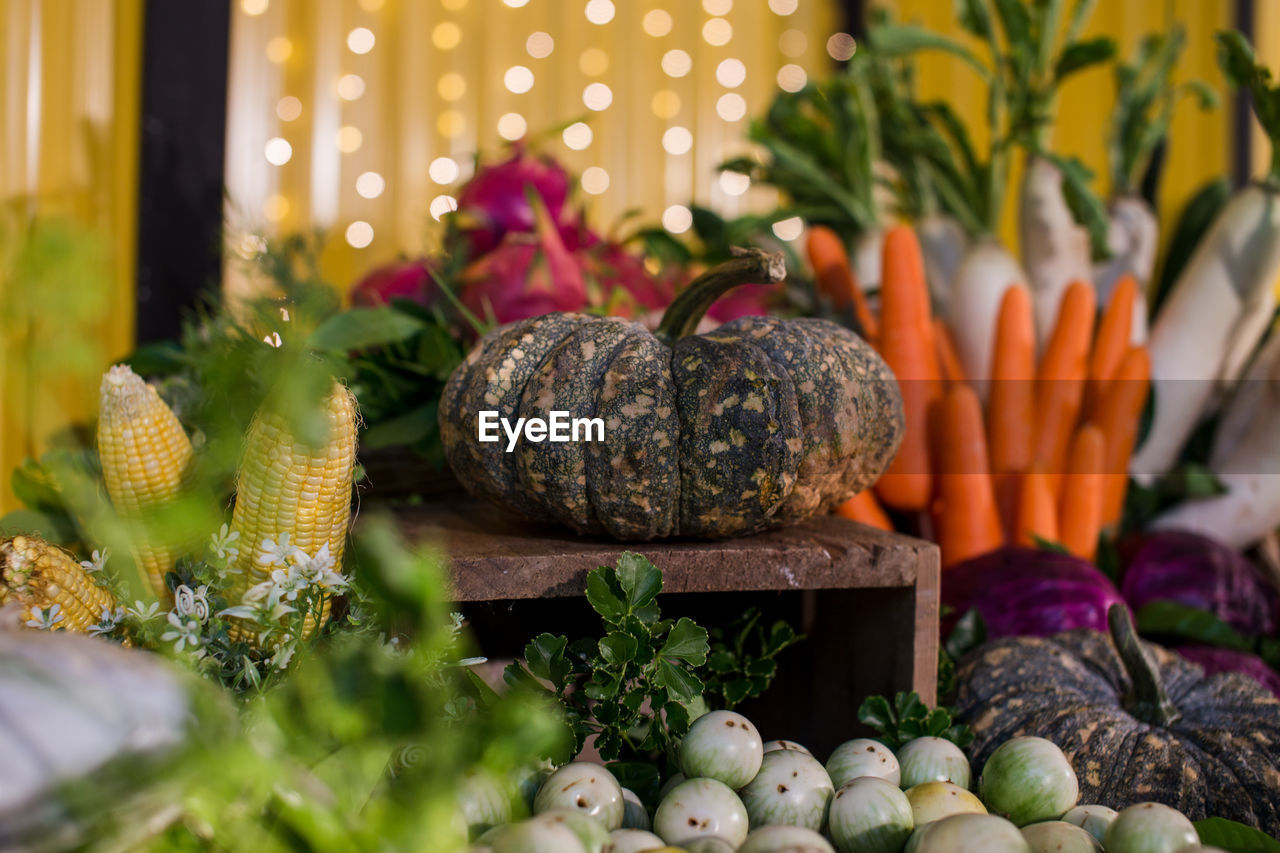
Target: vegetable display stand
{"x": 866, "y": 600}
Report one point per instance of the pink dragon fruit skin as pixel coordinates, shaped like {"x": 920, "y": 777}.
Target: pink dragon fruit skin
{"x": 515, "y": 281}
{"x": 409, "y": 279}
{"x": 526, "y": 275}
{"x": 496, "y": 199}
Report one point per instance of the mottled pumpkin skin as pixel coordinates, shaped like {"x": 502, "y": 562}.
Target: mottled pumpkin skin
{"x": 760, "y": 423}
{"x": 1221, "y": 758}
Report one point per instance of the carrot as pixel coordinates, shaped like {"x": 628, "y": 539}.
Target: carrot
{"x": 1118, "y": 415}
{"x": 1114, "y": 332}
{"x": 1037, "y": 511}
{"x": 948, "y": 359}
{"x": 837, "y": 280}
{"x": 865, "y": 509}
{"x": 906, "y": 344}
{"x": 1011, "y": 410}
{"x": 1060, "y": 381}
{"x": 966, "y": 521}
{"x": 1080, "y": 514}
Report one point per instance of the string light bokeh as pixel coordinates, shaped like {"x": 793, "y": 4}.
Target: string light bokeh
{"x": 362, "y": 117}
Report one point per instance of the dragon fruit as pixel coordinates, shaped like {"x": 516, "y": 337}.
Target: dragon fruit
{"x": 495, "y": 202}
{"x": 527, "y": 275}
{"x": 411, "y": 280}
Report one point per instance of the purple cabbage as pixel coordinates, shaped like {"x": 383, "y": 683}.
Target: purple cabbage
{"x": 1215, "y": 660}
{"x": 1028, "y": 591}
{"x": 1200, "y": 572}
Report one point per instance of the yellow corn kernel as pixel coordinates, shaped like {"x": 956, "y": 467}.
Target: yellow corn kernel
{"x": 36, "y": 573}
{"x": 286, "y": 486}
{"x": 146, "y": 458}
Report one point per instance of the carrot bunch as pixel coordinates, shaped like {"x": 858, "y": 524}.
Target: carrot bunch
{"x": 1047, "y": 459}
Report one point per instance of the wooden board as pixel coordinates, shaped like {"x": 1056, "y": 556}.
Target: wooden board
{"x": 866, "y": 600}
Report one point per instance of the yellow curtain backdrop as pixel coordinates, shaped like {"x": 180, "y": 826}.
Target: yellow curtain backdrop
{"x": 1199, "y": 142}
{"x": 358, "y": 117}
{"x": 69, "y": 113}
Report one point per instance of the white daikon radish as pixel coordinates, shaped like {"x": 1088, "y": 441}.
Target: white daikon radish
{"x": 1243, "y": 405}
{"x": 986, "y": 272}
{"x": 943, "y": 242}
{"x": 1217, "y": 310}
{"x": 1055, "y": 248}
{"x": 867, "y": 249}
{"x": 1249, "y": 469}
{"x": 1132, "y": 238}
{"x": 1145, "y": 98}
{"x": 1222, "y": 301}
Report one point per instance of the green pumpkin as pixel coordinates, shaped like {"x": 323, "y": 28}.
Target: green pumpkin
{"x": 1138, "y": 722}
{"x": 760, "y": 423}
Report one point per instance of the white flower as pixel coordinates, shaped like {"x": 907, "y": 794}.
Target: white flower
{"x": 277, "y": 553}
{"x": 288, "y": 582}
{"x": 223, "y": 544}
{"x": 319, "y": 570}
{"x": 200, "y": 603}
{"x": 107, "y": 621}
{"x": 98, "y": 562}
{"x": 144, "y": 612}
{"x": 284, "y": 654}
{"x": 45, "y": 619}
{"x": 186, "y": 632}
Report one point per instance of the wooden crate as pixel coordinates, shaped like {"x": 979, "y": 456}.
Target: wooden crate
{"x": 866, "y": 600}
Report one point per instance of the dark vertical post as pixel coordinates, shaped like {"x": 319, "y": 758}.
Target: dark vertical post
{"x": 1241, "y": 115}
{"x": 853, "y": 17}
{"x": 184, "y": 118}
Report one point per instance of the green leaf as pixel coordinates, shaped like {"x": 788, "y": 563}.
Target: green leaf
{"x": 640, "y": 580}
{"x": 1192, "y": 480}
{"x": 909, "y": 707}
{"x": 970, "y": 631}
{"x": 876, "y": 712}
{"x": 678, "y": 718}
{"x": 1049, "y": 545}
{"x": 972, "y": 15}
{"x": 686, "y": 642}
{"x": 1235, "y": 837}
{"x": 1017, "y": 26}
{"x": 1173, "y": 619}
{"x": 605, "y": 594}
{"x": 361, "y": 328}
{"x": 640, "y": 777}
{"x": 1086, "y": 207}
{"x": 719, "y": 662}
{"x": 618, "y": 648}
{"x": 901, "y": 40}
{"x": 408, "y": 428}
{"x": 545, "y": 656}
{"x": 737, "y": 690}
{"x": 682, "y": 684}
{"x": 1082, "y": 55}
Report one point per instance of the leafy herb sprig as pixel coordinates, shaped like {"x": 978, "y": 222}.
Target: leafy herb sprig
{"x": 907, "y": 718}
{"x": 635, "y": 689}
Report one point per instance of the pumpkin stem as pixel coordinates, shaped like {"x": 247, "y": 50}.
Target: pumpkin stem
{"x": 1148, "y": 700}
{"x": 748, "y": 266}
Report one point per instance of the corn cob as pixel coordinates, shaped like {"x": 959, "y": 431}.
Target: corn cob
{"x": 146, "y": 458}
{"x": 287, "y": 486}
{"x": 38, "y": 574}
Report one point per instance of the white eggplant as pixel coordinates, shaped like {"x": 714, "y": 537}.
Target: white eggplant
{"x": 1132, "y": 237}
{"x": 1055, "y": 250}
{"x": 1242, "y": 407}
{"x": 1212, "y": 319}
{"x": 1246, "y": 460}
{"x": 987, "y": 271}
{"x": 943, "y": 242}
